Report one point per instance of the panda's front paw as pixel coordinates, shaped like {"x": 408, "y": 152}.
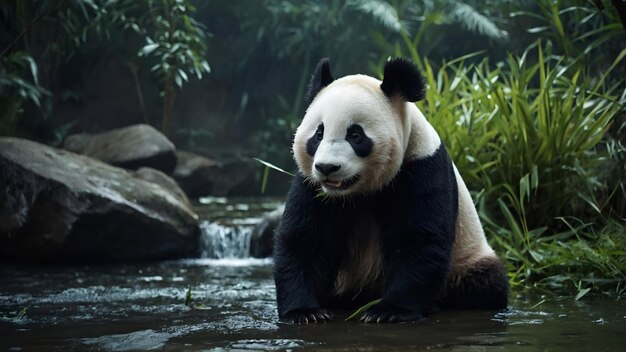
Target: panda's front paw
{"x": 307, "y": 316}
{"x": 382, "y": 313}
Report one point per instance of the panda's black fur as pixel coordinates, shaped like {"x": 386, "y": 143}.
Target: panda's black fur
{"x": 321, "y": 78}
{"x": 402, "y": 77}
{"x": 416, "y": 212}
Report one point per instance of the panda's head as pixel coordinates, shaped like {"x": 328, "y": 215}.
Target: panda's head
{"x": 354, "y": 134}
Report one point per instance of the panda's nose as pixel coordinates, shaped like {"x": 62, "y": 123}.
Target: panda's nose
{"x": 327, "y": 169}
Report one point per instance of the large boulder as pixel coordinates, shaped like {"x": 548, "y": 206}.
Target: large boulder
{"x": 129, "y": 147}
{"x": 59, "y": 206}
{"x": 201, "y": 176}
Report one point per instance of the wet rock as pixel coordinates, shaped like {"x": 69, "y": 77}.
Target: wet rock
{"x": 201, "y": 176}
{"x": 261, "y": 240}
{"x": 59, "y": 206}
{"x": 155, "y": 176}
{"x": 194, "y": 172}
{"x": 129, "y": 147}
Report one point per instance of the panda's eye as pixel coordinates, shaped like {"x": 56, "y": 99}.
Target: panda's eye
{"x": 319, "y": 134}
{"x": 355, "y": 134}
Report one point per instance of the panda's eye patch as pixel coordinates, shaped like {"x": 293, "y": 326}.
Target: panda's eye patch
{"x": 355, "y": 134}
{"x": 319, "y": 134}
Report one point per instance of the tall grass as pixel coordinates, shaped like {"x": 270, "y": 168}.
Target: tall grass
{"x": 530, "y": 138}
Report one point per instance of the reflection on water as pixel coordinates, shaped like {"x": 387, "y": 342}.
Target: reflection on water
{"x": 142, "y": 307}
{"x": 138, "y": 340}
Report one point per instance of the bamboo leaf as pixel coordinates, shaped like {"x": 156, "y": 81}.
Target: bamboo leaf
{"x": 148, "y": 49}
{"x": 272, "y": 166}
{"x": 581, "y": 293}
{"x": 363, "y": 308}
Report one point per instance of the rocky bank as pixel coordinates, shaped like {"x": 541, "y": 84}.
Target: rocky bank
{"x": 56, "y": 205}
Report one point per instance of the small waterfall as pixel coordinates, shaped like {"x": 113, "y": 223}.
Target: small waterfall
{"x": 225, "y": 241}
{"x": 228, "y": 225}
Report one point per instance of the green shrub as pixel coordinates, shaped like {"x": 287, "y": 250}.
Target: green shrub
{"x": 530, "y": 140}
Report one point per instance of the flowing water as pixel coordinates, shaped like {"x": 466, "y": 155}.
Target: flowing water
{"x": 232, "y": 307}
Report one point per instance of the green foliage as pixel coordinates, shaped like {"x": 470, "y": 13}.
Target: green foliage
{"x": 20, "y": 77}
{"x": 381, "y": 11}
{"x": 19, "y": 83}
{"x": 582, "y": 259}
{"x": 189, "y": 301}
{"x": 531, "y": 138}
{"x": 577, "y": 28}
{"x": 475, "y": 21}
{"x": 177, "y": 42}
{"x": 429, "y": 27}
{"x": 165, "y": 35}
{"x": 21, "y": 314}
{"x": 363, "y": 308}
{"x": 188, "y": 297}
{"x": 13, "y": 81}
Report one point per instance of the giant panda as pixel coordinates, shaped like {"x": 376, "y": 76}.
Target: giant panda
{"x": 378, "y": 210}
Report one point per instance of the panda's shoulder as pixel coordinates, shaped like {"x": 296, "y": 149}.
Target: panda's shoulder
{"x": 435, "y": 169}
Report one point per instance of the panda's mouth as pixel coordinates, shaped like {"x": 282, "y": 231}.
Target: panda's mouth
{"x": 340, "y": 184}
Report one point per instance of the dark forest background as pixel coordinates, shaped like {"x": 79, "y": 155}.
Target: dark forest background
{"x": 221, "y": 76}
{"x": 529, "y": 97}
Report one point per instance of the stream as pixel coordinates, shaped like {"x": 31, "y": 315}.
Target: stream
{"x": 142, "y": 306}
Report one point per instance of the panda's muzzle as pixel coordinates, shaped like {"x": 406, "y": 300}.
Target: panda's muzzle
{"x": 327, "y": 169}
{"x": 341, "y": 184}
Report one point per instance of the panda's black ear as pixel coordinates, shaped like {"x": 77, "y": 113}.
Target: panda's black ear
{"x": 403, "y": 78}
{"x": 320, "y": 79}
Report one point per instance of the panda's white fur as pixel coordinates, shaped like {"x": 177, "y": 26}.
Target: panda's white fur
{"x": 400, "y": 133}
{"x": 352, "y": 100}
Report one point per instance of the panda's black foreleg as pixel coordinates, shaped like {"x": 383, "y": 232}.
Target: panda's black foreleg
{"x": 305, "y": 256}
{"x": 416, "y": 275}
{"x": 297, "y": 298}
